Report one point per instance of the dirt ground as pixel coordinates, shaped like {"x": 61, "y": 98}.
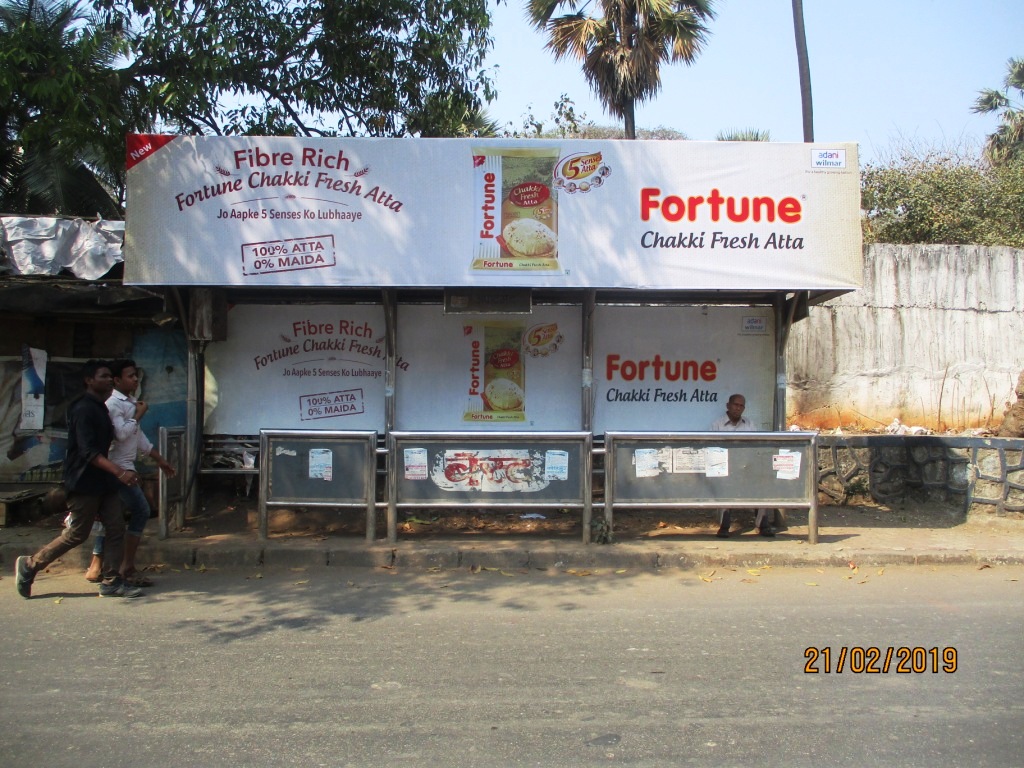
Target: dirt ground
{"x": 229, "y": 509}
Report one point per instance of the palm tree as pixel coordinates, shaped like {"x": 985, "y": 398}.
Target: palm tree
{"x": 744, "y": 134}
{"x": 622, "y": 50}
{"x": 1007, "y": 143}
{"x": 804, "y": 65}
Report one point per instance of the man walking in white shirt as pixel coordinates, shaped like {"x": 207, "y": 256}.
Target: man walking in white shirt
{"x": 130, "y": 442}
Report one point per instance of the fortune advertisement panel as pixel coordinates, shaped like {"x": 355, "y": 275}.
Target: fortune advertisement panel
{"x": 673, "y": 368}
{"x": 487, "y": 372}
{"x": 297, "y": 367}
{"x": 287, "y": 211}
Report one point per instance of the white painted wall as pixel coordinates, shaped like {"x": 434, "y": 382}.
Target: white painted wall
{"x": 935, "y": 338}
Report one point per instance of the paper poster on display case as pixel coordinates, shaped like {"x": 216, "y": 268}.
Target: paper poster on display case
{"x": 481, "y": 372}
{"x": 492, "y": 470}
{"x": 321, "y": 464}
{"x": 302, "y": 366}
{"x": 673, "y": 368}
{"x": 504, "y": 468}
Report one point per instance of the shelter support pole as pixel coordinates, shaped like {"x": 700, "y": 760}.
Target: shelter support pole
{"x": 783, "y": 321}
{"x": 391, "y": 466}
{"x": 787, "y": 311}
{"x": 193, "y": 431}
{"x": 587, "y": 400}
{"x": 206, "y": 321}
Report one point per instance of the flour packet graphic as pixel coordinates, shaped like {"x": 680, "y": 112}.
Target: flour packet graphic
{"x": 516, "y": 209}
{"x": 497, "y": 387}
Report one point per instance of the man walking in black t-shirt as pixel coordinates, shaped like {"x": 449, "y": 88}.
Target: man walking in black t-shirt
{"x": 91, "y": 481}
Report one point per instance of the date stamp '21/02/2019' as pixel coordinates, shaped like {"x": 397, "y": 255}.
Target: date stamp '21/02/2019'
{"x": 874, "y": 659}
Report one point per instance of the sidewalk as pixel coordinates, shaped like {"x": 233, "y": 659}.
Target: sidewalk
{"x": 844, "y": 538}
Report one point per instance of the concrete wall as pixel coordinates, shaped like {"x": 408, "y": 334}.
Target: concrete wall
{"x": 935, "y": 338}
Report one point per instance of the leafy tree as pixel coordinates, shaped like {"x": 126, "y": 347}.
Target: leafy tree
{"x": 309, "y": 67}
{"x": 1007, "y": 143}
{"x": 622, "y": 50}
{"x": 73, "y": 84}
{"x": 943, "y": 197}
{"x": 570, "y": 124}
{"x": 64, "y": 108}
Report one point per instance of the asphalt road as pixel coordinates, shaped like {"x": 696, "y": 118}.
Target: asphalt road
{"x": 360, "y": 667}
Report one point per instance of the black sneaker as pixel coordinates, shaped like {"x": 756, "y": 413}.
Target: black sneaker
{"x": 767, "y": 531}
{"x": 120, "y": 589}
{"x": 24, "y": 575}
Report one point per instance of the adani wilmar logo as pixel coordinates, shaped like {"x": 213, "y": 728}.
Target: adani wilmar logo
{"x": 828, "y": 158}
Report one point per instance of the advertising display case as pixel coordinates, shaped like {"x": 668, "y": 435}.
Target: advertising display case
{"x": 500, "y": 470}
{"x": 713, "y": 470}
{"x": 318, "y": 469}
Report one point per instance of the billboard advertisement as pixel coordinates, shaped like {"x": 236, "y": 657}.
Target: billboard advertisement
{"x": 297, "y": 367}
{"x": 489, "y": 372}
{"x": 287, "y": 211}
{"x": 673, "y": 369}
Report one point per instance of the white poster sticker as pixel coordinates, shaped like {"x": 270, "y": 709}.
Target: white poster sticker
{"x": 556, "y": 465}
{"x": 481, "y": 372}
{"x": 686, "y": 460}
{"x": 321, "y": 464}
{"x": 415, "y": 461}
{"x": 717, "y": 462}
{"x": 786, "y": 464}
{"x": 646, "y": 462}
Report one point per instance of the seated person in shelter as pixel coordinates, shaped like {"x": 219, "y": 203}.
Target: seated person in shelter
{"x": 735, "y": 421}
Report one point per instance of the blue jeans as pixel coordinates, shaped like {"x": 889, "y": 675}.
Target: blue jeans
{"x": 136, "y": 508}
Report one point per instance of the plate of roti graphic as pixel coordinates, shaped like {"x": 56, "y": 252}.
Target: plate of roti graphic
{"x": 529, "y": 239}
{"x": 503, "y": 395}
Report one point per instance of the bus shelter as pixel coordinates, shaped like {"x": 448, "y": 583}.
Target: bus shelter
{"x": 493, "y": 305}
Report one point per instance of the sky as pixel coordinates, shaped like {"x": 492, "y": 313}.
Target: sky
{"x": 886, "y": 74}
